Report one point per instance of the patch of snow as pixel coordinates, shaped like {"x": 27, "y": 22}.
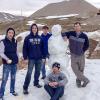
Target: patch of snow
{"x": 84, "y": 24}
{"x": 23, "y": 35}
{"x": 12, "y": 16}
{"x": 6, "y": 17}
{"x": 61, "y": 16}
{"x": 98, "y": 47}
{"x": 2, "y": 37}
{"x": 94, "y": 35}
{"x": 31, "y": 22}
{"x": 40, "y": 25}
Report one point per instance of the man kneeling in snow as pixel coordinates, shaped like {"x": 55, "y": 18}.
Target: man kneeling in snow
{"x": 55, "y": 82}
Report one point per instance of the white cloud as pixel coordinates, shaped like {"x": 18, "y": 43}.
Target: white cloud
{"x": 94, "y": 2}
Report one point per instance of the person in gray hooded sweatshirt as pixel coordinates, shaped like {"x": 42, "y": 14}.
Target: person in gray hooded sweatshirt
{"x": 55, "y": 82}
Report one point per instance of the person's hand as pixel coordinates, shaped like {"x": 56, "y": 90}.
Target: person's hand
{"x": 46, "y": 61}
{"x": 43, "y": 60}
{"x": 9, "y": 61}
{"x": 25, "y": 61}
{"x": 51, "y": 84}
{"x": 55, "y": 83}
{"x": 65, "y": 38}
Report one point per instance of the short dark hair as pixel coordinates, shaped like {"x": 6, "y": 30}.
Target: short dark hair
{"x": 10, "y": 28}
{"x": 77, "y": 23}
{"x": 45, "y": 27}
{"x": 56, "y": 64}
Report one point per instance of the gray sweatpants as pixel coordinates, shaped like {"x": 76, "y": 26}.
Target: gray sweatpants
{"x": 78, "y": 64}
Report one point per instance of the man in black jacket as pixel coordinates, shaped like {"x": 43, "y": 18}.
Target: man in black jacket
{"x": 78, "y": 44}
{"x": 8, "y": 53}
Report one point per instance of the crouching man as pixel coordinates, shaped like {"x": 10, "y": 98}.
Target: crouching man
{"x": 55, "y": 82}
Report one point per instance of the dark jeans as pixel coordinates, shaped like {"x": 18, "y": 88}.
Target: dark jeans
{"x": 31, "y": 64}
{"x": 43, "y": 70}
{"x": 55, "y": 93}
{"x": 6, "y": 70}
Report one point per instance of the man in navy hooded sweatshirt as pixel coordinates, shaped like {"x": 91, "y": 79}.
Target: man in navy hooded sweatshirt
{"x": 33, "y": 52}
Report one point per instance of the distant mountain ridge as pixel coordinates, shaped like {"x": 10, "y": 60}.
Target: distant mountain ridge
{"x": 9, "y": 17}
{"x": 81, "y": 7}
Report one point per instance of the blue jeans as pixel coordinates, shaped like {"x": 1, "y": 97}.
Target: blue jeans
{"x": 55, "y": 93}
{"x": 43, "y": 70}
{"x": 31, "y": 64}
{"x": 6, "y": 70}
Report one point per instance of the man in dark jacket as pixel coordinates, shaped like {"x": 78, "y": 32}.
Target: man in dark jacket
{"x": 33, "y": 51}
{"x": 78, "y": 44}
{"x": 9, "y": 57}
{"x": 45, "y": 37}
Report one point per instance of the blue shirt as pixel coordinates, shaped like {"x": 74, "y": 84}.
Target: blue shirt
{"x": 45, "y": 39}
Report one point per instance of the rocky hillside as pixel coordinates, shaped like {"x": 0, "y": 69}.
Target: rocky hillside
{"x": 6, "y": 17}
{"x": 66, "y": 7}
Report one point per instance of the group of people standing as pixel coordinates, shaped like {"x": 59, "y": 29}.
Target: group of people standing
{"x": 35, "y": 51}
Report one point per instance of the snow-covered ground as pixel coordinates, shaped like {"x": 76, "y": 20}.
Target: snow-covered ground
{"x": 91, "y": 92}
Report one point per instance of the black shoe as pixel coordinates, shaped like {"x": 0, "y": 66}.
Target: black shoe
{"x": 85, "y": 83}
{"x": 14, "y": 93}
{"x": 78, "y": 83}
{"x": 43, "y": 77}
{"x": 25, "y": 92}
{"x": 1, "y": 98}
{"x": 38, "y": 86}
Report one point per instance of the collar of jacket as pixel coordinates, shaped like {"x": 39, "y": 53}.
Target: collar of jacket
{"x": 13, "y": 39}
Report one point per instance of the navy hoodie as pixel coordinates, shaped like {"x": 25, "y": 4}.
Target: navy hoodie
{"x": 33, "y": 47}
{"x": 45, "y": 39}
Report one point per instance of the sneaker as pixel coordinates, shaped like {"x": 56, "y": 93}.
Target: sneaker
{"x": 85, "y": 83}
{"x": 14, "y": 93}
{"x": 78, "y": 83}
{"x": 38, "y": 86}
{"x": 25, "y": 92}
{"x": 43, "y": 77}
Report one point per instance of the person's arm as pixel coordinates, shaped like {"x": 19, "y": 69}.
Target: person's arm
{"x": 17, "y": 48}
{"x": 25, "y": 49}
{"x": 42, "y": 50}
{"x": 86, "y": 43}
{"x": 64, "y": 80}
{"x": 50, "y": 34}
{"x": 2, "y": 51}
{"x": 65, "y": 35}
{"x": 47, "y": 80}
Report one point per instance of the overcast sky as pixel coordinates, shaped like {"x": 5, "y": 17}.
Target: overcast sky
{"x": 28, "y": 7}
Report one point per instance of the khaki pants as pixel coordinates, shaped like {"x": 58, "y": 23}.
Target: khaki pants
{"x": 78, "y": 64}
